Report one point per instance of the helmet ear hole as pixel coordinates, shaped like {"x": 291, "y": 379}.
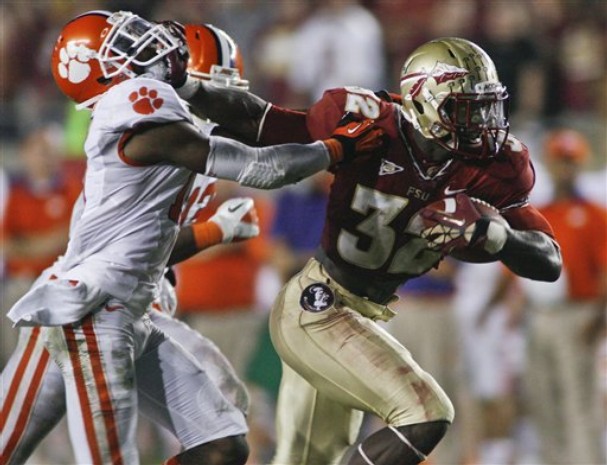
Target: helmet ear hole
{"x": 419, "y": 107}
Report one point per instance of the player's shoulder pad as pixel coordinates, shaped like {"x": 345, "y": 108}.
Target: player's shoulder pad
{"x": 323, "y": 116}
{"x": 513, "y": 163}
{"x": 508, "y": 179}
{"x": 139, "y": 100}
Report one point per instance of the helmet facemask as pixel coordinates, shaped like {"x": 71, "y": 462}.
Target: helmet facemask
{"x": 134, "y": 45}
{"x": 477, "y": 123}
{"x": 223, "y": 76}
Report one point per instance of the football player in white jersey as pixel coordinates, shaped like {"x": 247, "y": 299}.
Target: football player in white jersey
{"x": 33, "y": 391}
{"x": 142, "y": 153}
{"x": 30, "y": 412}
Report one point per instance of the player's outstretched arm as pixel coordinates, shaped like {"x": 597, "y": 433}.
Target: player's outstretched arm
{"x": 235, "y": 110}
{"x": 239, "y": 113}
{"x": 260, "y": 167}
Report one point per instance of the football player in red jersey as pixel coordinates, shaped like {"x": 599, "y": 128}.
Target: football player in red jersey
{"x": 448, "y": 135}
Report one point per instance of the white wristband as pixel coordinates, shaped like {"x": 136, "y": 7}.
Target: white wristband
{"x": 189, "y": 88}
{"x": 497, "y": 234}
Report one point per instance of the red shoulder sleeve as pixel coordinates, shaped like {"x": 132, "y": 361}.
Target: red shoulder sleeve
{"x": 323, "y": 116}
{"x": 507, "y": 181}
{"x": 527, "y": 218}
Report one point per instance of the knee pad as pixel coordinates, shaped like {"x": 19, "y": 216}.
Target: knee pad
{"x": 232, "y": 450}
{"x": 400, "y": 444}
{"x": 421, "y": 438}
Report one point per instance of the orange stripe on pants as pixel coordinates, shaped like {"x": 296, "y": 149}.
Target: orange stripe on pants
{"x": 85, "y": 406}
{"x": 28, "y": 405}
{"x": 18, "y": 376}
{"x": 103, "y": 391}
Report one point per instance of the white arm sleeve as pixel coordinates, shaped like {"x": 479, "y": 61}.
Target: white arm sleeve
{"x": 265, "y": 167}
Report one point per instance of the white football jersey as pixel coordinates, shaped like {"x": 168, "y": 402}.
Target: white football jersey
{"x": 127, "y": 227}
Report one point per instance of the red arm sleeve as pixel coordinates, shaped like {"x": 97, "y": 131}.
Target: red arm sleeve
{"x": 282, "y": 126}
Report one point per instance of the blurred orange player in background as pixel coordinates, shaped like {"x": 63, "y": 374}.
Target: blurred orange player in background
{"x": 566, "y": 319}
{"x": 564, "y": 329}
{"x": 36, "y": 216}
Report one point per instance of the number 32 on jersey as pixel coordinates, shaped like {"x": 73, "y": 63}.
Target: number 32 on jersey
{"x": 380, "y": 209}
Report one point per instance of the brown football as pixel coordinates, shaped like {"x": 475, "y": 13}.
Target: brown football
{"x": 448, "y": 224}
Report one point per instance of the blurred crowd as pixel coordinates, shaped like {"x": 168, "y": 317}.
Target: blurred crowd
{"x": 484, "y": 335}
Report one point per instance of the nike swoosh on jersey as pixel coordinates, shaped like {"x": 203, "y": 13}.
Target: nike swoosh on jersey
{"x": 449, "y": 191}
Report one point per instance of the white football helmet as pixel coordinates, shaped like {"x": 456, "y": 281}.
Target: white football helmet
{"x": 451, "y": 94}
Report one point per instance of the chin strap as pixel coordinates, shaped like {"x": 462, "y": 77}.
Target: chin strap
{"x": 88, "y": 104}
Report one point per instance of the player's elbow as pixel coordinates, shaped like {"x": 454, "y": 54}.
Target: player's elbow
{"x": 554, "y": 262}
{"x": 532, "y": 255}
{"x": 556, "y": 266}
{"x": 542, "y": 270}
{"x": 552, "y": 271}
{"x": 550, "y": 266}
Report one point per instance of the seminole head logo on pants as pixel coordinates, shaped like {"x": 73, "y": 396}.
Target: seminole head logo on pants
{"x": 316, "y": 297}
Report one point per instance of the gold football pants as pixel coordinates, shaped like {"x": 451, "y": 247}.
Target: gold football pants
{"x": 338, "y": 362}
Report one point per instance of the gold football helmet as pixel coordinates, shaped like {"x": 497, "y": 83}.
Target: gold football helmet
{"x": 452, "y": 94}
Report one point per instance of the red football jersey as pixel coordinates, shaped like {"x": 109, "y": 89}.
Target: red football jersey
{"x": 364, "y": 244}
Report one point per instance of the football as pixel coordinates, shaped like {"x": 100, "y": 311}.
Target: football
{"x": 448, "y": 225}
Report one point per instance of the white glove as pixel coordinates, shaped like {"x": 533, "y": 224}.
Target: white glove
{"x": 237, "y": 219}
{"x": 497, "y": 235}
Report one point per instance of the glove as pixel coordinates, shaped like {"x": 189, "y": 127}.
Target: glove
{"x": 237, "y": 219}
{"x": 352, "y": 137}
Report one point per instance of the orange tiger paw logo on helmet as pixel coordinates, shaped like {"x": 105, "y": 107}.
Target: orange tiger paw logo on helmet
{"x": 145, "y": 101}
